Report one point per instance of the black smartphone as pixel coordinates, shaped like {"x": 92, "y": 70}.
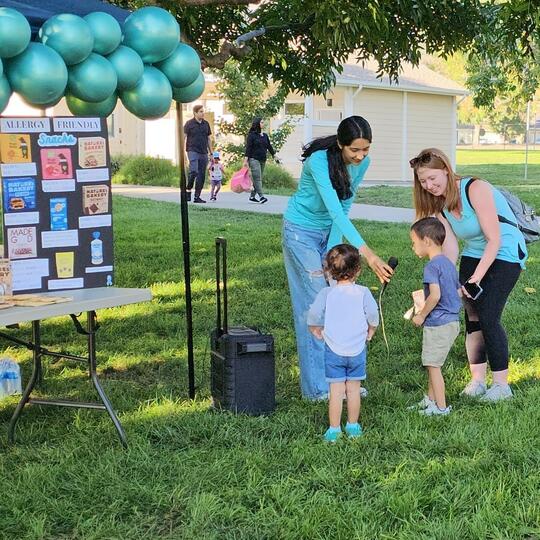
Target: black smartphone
{"x": 473, "y": 289}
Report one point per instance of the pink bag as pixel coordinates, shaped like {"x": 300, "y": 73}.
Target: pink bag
{"x": 241, "y": 181}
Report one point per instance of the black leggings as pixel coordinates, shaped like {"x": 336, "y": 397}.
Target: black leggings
{"x": 498, "y": 283}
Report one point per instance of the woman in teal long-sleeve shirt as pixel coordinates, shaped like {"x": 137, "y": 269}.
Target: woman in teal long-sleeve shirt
{"x": 316, "y": 219}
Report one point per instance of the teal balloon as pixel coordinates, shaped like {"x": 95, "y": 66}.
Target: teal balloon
{"x": 152, "y": 32}
{"x": 128, "y": 65}
{"x": 92, "y": 80}
{"x": 151, "y": 98}
{"x": 38, "y": 74}
{"x": 1, "y": 68}
{"x": 106, "y": 31}
{"x": 190, "y": 93}
{"x": 182, "y": 67}
{"x": 15, "y": 32}
{"x": 47, "y": 105}
{"x": 69, "y": 35}
{"x": 5, "y": 92}
{"x": 78, "y": 107}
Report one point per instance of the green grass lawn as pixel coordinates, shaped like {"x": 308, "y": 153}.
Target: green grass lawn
{"x": 195, "y": 474}
{"x": 500, "y": 167}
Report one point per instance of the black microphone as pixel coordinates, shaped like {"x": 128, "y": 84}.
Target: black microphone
{"x": 392, "y": 263}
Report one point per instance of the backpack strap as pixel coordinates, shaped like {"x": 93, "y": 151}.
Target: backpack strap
{"x": 502, "y": 219}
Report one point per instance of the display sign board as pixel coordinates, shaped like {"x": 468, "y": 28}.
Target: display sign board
{"x": 56, "y": 202}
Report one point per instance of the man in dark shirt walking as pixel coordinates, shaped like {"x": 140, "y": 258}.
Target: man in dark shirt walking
{"x": 198, "y": 146}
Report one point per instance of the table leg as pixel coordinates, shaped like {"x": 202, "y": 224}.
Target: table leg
{"x": 36, "y": 375}
{"x": 92, "y": 365}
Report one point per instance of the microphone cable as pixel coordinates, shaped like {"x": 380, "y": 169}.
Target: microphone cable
{"x": 392, "y": 263}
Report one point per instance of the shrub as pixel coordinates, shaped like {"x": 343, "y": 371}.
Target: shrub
{"x": 118, "y": 160}
{"x": 147, "y": 171}
{"x": 275, "y": 176}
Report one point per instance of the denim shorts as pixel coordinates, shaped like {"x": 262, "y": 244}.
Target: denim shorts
{"x": 344, "y": 368}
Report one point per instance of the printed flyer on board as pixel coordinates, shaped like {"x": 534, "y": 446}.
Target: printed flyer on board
{"x": 57, "y": 203}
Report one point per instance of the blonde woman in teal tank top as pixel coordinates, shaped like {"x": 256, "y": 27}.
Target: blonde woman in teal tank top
{"x": 493, "y": 257}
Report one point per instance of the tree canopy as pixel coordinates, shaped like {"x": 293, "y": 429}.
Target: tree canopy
{"x": 304, "y": 40}
{"x": 300, "y": 42}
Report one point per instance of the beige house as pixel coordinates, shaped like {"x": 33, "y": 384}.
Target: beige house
{"x": 417, "y": 112}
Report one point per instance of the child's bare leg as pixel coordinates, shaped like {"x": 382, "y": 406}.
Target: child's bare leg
{"x": 353, "y": 401}
{"x": 211, "y": 189}
{"x": 436, "y": 382}
{"x": 430, "y": 392}
{"x": 335, "y": 403}
{"x": 218, "y": 187}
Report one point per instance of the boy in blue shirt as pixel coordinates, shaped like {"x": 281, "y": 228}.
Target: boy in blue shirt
{"x": 440, "y": 313}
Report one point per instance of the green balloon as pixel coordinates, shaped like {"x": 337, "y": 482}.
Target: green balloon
{"x": 15, "y": 32}
{"x": 38, "y": 74}
{"x": 182, "y": 67}
{"x": 104, "y": 108}
{"x": 5, "y": 92}
{"x": 190, "y": 93}
{"x": 151, "y": 98}
{"x": 152, "y": 32}
{"x": 128, "y": 65}
{"x": 69, "y": 35}
{"x": 92, "y": 80}
{"x": 106, "y": 30}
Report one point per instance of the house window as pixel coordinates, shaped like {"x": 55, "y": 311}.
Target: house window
{"x": 294, "y": 109}
{"x": 111, "y": 125}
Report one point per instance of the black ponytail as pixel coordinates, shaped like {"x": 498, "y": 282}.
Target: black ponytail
{"x": 349, "y": 129}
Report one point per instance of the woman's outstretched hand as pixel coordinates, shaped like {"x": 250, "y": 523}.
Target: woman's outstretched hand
{"x": 379, "y": 267}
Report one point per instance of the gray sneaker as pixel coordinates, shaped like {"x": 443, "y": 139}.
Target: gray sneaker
{"x": 474, "y": 389}
{"x": 433, "y": 410}
{"x": 497, "y": 392}
{"x": 422, "y": 404}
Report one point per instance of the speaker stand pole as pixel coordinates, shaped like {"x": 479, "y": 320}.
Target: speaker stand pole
{"x": 184, "y": 217}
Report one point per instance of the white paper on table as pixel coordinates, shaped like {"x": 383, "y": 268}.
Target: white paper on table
{"x": 93, "y": 175}
{"x": 18, "y": 169}
{"x": 54, "y": 186}
{"x": 27, "y": 273}
{"x": 73, "y": 283}
{"x": 21, "y": 218}
{"x": 90, "y": 222}
{"x": 67, "y": 238}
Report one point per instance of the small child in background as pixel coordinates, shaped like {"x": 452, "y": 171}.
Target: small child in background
{"x": 440, "y": 313}
{"x": 346, "y": 317}
{"x": 216, "y": 175}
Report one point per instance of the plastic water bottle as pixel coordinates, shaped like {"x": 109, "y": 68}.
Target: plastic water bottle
{"x": 96, "y": 248}
{"x": 10, "y": 378}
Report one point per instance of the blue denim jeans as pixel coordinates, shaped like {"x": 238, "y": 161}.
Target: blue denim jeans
{"x": 303, "y": 252}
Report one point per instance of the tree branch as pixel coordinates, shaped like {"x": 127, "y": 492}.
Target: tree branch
{"x": 217, "y": 2}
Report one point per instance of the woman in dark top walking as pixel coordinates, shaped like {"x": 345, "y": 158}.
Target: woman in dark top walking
{"x": 257, "y": 145}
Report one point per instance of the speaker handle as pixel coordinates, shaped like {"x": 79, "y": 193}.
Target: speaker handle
{"x": 221, "y": 249}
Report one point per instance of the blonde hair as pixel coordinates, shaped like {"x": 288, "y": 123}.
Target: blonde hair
{"x": 425, "y": 203}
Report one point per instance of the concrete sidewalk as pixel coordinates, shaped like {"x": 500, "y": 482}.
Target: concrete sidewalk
{"x": 276, "y": 203}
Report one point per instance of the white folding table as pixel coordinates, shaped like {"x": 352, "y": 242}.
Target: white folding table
{"x": 83, "y": 300}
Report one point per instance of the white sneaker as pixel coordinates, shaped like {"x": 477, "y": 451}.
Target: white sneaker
{"x": 497, "y": 392}
{"x": 363, "y": 392}
{"x": 474, "y": 389}
{"x": 422, "y": 404}
{"x": 433, "y": 410}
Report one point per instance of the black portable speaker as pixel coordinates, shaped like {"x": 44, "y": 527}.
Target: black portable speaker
{"x": 242, "y": 372}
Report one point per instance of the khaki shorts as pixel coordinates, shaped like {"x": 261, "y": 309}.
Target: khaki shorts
{"x": 437, "y": 342}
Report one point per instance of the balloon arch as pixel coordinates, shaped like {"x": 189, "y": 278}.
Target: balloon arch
{"x": 93, "y": 62}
